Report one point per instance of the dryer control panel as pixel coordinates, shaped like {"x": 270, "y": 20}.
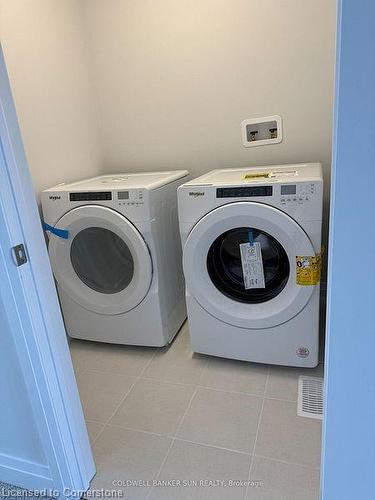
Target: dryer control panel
{"x": 296, "y": 193}
{"x": 132, "y": 197}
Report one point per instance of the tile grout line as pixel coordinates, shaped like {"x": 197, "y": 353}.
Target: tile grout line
{"x": 176, "y": 438}
{"x": 141, "y": 376}
{"x": 197, "y": 387}
{"x": 257, "y": 432}
{"x": 285, "y": 462}
{"x": 207, "y": 445}
{"x": 164, "y": 381}
{"x": 115, "y": 410}
{"x": 173, "y": 438}
{"x": 207, "y": 387}
{"x": 216, "y": 447}
{"x": 242, "y": 393}
{"x": 133, "y": 429}
{"x": 148, "y": 363}
{"x": 136, "y": 378}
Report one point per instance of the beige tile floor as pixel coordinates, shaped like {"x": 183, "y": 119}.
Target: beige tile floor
{"x": 157, "y": 415}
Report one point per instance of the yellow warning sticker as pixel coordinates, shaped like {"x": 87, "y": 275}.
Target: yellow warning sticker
{"x": 257, "y": 175}
{"x": 308, "y": 269}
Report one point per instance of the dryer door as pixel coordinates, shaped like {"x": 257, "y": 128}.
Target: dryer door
{"x": 104, "y": 265}
{"x": 213, "y": 268}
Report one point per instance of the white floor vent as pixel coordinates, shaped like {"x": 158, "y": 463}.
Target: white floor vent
{"x": 310, "y": 397}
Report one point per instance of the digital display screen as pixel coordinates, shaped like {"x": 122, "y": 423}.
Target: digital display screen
{"x": 91, "y": 196}
{"x": 243, "y": 191}
{"x": 123, "y": 195}
{"x": 288, "y": 189}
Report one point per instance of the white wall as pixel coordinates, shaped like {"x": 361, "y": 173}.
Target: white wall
{"x": 108, "y": 86}
{"x": 47, "y": 65}
{"x": 174, "y": 80}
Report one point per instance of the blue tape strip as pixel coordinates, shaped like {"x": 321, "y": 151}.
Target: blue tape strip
{"x": 251, "y": 237}
{"x": 61, "y": 233}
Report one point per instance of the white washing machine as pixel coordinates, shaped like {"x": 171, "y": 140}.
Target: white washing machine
{"x": 251, "y": 258}
{"x": 116, "y": 256}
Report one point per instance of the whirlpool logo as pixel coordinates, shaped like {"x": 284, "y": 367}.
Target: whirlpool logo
{"x": 54, "y": 198}
{"x": 195, "y": 194}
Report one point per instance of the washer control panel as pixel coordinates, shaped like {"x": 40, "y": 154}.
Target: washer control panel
{"x": 132, "y": 197}
{"x": 296, "y": 193}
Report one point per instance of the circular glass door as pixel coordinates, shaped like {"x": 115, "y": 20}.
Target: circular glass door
{"x": 224, "y": 265}
{"x": 213, "y": 267}
{"x": 102, "y": 260}
{"x": 104, "y": 265}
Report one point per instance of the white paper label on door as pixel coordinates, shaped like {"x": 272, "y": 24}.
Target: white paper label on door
{"x": 252, "y": 265}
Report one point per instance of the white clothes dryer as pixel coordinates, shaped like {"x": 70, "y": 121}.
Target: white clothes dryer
{"x": 116, "y": 256}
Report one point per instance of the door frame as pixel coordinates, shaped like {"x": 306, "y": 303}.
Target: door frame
{"x": 30, "y": 300}
{"x": 348, "y": 451}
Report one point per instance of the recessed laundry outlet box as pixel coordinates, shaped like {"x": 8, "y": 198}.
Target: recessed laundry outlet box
{"x": 261, "y": 131}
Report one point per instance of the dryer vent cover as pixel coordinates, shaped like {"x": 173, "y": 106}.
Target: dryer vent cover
{"x": 310, "y": 397}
